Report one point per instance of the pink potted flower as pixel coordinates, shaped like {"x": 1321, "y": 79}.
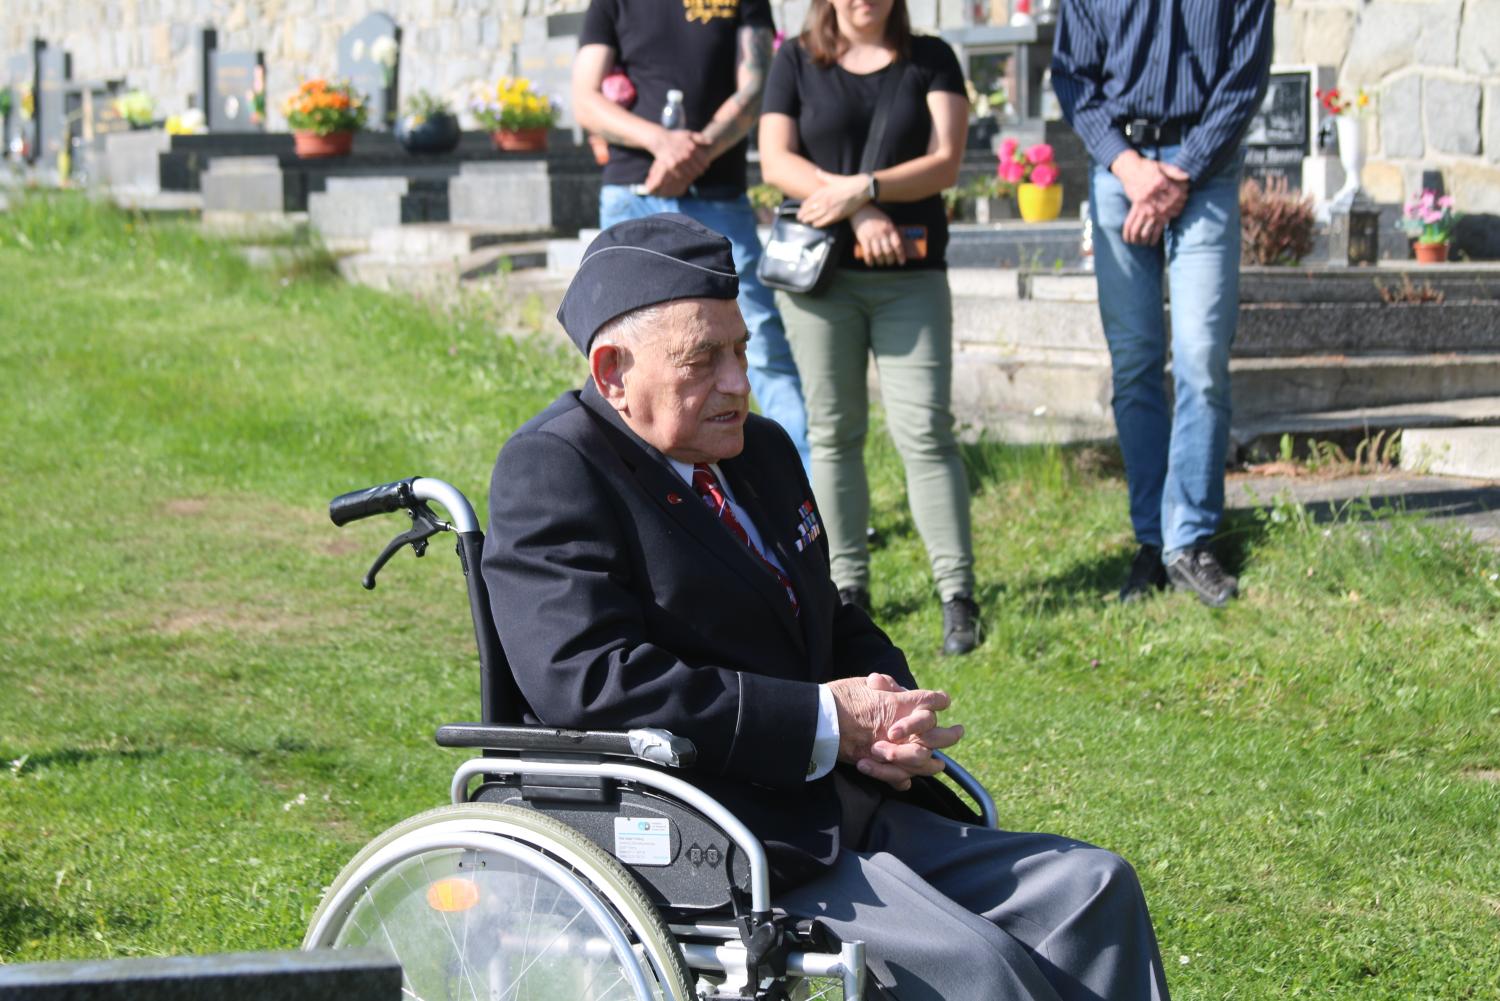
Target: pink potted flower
{"x": 1035, "y": 176}
{"x": 1428, "y": 218}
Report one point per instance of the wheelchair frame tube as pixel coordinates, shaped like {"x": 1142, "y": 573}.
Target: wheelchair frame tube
{"x": 848, "y": 964}
{"x": 755, "y": 853}
{"x": 970, "y": 785}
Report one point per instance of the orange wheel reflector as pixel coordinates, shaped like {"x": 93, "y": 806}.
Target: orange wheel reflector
{"x": 449, "y": 895}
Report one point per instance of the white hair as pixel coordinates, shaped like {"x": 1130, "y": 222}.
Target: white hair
{"x": 627, "y": 328}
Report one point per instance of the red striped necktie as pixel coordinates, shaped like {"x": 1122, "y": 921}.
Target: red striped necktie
{"x": 707, "y": 486}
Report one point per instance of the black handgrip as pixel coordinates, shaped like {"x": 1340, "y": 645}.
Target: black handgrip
{"x": 359, "y": 504}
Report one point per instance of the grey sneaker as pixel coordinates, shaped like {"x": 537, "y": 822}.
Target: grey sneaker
{"x": 961, "y": 627}
{"x": 1147, "y": 575}
{"x": 1197, "y": 570}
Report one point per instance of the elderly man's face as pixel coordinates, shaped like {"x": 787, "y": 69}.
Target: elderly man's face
{"x": 682, "y": 387}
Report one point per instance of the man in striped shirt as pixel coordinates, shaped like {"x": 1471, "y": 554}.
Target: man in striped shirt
{"x": 1161, "y": 92}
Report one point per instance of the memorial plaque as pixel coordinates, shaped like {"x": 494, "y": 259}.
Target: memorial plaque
{"x": 235, "y": 92}
{"x": 1280, "y": 134}
{"x": 369, "y": 58}
{"x": 54, "y": 69}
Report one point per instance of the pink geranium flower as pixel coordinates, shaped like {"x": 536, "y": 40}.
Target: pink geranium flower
{"x": 1008, "y": 148}
{"x": 1012, "y": 172}
{"x": 1039, "y": 154}
{"x": 1043, "y": 175}
{"x": 618, "y": 88}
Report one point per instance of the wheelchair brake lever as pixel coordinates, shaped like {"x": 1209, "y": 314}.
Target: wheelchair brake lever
{"x": 425, "y": 525}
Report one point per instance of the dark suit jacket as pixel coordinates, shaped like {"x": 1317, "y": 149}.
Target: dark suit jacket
{"x": 621, "y": 601}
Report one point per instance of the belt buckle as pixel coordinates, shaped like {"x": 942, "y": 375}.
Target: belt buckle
{"x": 1143, "y": 131}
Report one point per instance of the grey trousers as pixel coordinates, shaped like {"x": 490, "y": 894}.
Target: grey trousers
{"x": 904, "y": 320}
{"x": 950, "y": 912}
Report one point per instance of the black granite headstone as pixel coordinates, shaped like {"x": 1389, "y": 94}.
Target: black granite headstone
{"x": 369, "y": 58}
{"x": 54, "y": 70}
{"x": 236, "y": 81}
{"x": 1280, "y": 133}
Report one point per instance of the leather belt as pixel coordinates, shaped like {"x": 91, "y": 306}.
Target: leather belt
{"x": 1143, "y": 132}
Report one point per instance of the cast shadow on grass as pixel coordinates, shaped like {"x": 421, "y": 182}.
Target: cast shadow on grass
{"x": 72, "y": 757}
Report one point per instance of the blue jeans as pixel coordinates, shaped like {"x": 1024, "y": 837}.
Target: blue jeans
{"x": 773, "y": 373}
{"x": 1174, "y": 459}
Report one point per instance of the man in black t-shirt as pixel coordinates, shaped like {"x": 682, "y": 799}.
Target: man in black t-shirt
{"x": 716, "y": 53}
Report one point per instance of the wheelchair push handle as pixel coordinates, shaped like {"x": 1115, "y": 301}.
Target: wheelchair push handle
{"x": 381, "y": 499}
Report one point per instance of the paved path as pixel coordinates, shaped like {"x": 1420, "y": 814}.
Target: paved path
{"x": 1470, "y": 504}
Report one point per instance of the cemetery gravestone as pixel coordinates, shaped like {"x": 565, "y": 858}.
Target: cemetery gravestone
{"x": 1280, "y": 133}
{"x": 369, "y": 58}
{"x": 234, "y": 93}
{"x": 54, "y": 68}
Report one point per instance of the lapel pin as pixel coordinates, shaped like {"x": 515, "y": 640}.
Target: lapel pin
{"x": 674, "y": 498}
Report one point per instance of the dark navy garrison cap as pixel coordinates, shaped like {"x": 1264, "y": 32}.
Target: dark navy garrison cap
{"x": 641, "y": 262}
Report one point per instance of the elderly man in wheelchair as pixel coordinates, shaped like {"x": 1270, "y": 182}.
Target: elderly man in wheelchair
{"x": 702, "y": 775}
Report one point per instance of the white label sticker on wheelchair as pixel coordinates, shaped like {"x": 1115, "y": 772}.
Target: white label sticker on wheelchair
{"x": 643, "y": 840}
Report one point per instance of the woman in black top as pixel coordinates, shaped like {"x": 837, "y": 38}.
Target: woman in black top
{"x": 889, "y": 294}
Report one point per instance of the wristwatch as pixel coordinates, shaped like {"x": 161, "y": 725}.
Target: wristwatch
{"x": 873, "y": 191}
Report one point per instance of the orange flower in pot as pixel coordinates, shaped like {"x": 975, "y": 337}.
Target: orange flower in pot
{"x": 1035, "y": 176}
{"x": 323, "y": 117}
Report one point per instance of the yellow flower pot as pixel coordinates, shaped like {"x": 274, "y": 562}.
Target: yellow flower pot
{"x": 1039, "y": 204}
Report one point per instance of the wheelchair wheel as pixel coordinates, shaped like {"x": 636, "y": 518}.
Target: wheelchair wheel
{"x": 493, "y": 902}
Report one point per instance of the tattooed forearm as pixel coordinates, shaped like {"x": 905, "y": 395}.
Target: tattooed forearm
{"x": 738, "y": 115}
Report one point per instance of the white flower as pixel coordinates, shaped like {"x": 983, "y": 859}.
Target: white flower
{"x": 357, "y": 50}
{"x": 383, "y": 50}
{"x": 1040, "y": 411}
{"x": 192, "y": 121}
{"x": 1183, "y": 960}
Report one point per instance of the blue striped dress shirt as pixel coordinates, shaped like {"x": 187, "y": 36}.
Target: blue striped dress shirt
{"x": 1203, "y": 63}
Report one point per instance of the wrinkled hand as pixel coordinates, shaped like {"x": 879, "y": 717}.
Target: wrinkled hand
{"x": 836, "y": 200}
{"x": 888, "y": 732}
{"x": 679, "y": 158}
{"x": 878, "y": 237}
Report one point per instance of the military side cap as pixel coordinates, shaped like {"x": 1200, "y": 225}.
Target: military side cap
{"x": 642, "y": 262}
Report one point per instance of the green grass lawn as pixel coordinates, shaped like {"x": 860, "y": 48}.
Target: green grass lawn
{"x": 202, "y": 714}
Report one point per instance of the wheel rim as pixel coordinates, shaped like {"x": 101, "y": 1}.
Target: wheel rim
{"x": 482, "y": 918}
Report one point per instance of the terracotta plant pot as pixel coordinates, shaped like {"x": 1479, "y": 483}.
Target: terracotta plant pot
{"x": 310, "y": 145}
{"x": 520, "y": 140}
{"x": 1038, "y": 204}
{"x": 1431, "y": 253}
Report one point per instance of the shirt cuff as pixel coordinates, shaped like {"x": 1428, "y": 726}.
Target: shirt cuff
{"x": 825, "y": 752}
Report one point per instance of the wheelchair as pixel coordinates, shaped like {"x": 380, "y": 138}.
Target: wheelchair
{"x": 570, "y": 864}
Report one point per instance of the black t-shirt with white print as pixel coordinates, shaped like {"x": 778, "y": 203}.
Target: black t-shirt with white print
{"x": 833, "y": 109}
{"x": 686, "y": 45}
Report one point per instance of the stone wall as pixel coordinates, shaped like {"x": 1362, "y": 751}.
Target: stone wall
{"x": 1434, "y": 64}
{"x": 1434, "y": 68}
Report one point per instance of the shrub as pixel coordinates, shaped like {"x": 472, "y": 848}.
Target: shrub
{"x": 1276, "y": 223}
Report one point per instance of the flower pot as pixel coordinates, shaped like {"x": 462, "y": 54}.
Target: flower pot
{"x": 520, "y": 140}
{"x": 310, "y": 145}
{"x": 987, "y": 210}
{"x": 1038, "y": 204}
{"x": 1431, "y": 253}
{"x": 436, "y": 133}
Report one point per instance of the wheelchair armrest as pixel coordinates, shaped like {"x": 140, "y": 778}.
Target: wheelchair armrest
{"x": 647, "y": 744}
{"x": 969, "y": 784}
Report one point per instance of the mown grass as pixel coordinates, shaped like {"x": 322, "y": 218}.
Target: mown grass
{"x": 202, "y": 715}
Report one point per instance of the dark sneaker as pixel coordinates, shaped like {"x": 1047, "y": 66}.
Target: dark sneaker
{"x": 1147, "y": 575}
{"x": 1197, "y": 571}
{"x": 961, "y": 628}
{"x": 857, "y": 596}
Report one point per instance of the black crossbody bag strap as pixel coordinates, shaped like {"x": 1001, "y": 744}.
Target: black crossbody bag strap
{"x": 875, "y": 141}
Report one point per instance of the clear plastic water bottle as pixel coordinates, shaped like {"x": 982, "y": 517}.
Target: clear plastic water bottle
{"x": 672, "y": 114}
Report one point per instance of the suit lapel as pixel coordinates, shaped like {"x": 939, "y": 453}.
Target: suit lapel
{"x": 655, "y": 474}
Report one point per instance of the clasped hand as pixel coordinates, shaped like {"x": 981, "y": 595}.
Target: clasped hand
{"x": 889, "y": 732}
{"x": 838, "y": 199}
{"x": 680, "y": 157}
{"x": 1158, "y": 193}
